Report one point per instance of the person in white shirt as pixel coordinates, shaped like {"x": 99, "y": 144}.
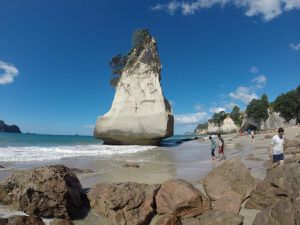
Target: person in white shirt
{"x": 277, "y": 147}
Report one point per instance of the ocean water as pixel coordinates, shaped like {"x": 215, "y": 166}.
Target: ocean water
{"x": 47, "y": 148}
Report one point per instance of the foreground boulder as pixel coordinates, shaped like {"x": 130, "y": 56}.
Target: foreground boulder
{"x": 140, "y": 114}
{"x": 182, "y": 199}
{"x": 265, "y": 195}
{"x": 124, "y": 203}
{"x": 215, "y": 217}
{"x": 21, "y": 220}
{"x": 52, "y": 191}
{"x": 278, "y": 196}
{"x": 281, "y": 212}
{"x": 280, "y": 182}
{"x": 229, "y": 185}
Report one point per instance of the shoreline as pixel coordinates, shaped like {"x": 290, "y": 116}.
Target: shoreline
{"x": 189, "y": 161}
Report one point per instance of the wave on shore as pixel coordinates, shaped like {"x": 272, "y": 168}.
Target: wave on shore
{"x": 49, "y": 153}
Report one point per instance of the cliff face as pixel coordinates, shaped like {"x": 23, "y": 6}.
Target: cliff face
{"x": 274, "y": 121}
{"x": 228, "y": 126}
{"x": 6, "y": 128}
{"x": 140, "y": 114}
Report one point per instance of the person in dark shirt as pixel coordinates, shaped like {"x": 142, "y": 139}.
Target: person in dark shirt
{"x": 221, "y": 147}
{"x": 213, "y": 146}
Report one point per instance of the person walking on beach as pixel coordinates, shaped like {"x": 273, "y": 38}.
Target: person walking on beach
{"x": 277, "y": 147}
{"x": 213, "y": 146}
{"x": 221, "y": 146}
{"x": 252, "y": 135}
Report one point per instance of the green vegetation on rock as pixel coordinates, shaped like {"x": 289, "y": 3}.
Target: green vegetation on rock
{"x": 258, "y": 109}
{"x": 288, "y": 105}
{"x": 236, "y": 116}
{"x": 218, "y": 118}
{"x": 118, "y": 63}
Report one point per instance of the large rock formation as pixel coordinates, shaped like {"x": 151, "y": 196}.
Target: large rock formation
{"x": 274, "y": 121}
{"x": 228, "y": 126}
{"x": 9, "y": 128}
{"x": 140, "y": 114}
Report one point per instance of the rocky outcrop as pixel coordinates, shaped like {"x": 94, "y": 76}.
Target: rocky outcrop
{"x": 274, "y": 121}
{"x": 52, "y": 191}
{"x": 278, "y": 196}
{"x": 182, "y": 199}
{"x": 9, "y": 128}
{"x": 281, "y": 212}
{"x": 229, "y": 185}
{"x": 228, "y": 126}
{"x": 140, "y": 114}
{"x": 124, "y": 203}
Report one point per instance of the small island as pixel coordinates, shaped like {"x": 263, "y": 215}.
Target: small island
{"x": 9, "y": 128}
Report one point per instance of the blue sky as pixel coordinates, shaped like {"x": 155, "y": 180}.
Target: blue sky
{"x": 54, "y": 73}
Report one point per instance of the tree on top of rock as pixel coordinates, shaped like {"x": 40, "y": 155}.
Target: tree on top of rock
{"x": 258, "y": 109}
{"x": 139, "y": 38}
{"x": 236, "y": 116}
{"x": 288, "y": 105}
{"x": 218, "y": 118}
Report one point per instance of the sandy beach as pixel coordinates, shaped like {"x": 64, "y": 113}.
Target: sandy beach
{"x": 189, "y": 161}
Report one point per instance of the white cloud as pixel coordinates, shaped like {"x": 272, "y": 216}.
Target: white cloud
{"x": 89, "y": 126}
{"x": 193, "y": 118}
{"x": 260, "y": 81}
{"x": 199, "y": 107}
{"x": 267, "y": 9}
{"x": 217, "y": 109}
{"x": 229, "y": 106}
{"x": 8, "y": 74}
{"x": 295, "y": 47}
{"x": 171, "y": 7}
{"x": 253, "y": 69}
{"x": 243, "y": 94}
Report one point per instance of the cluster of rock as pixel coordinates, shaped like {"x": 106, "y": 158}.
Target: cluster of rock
{"x": 278, "y": 195}
{"x": 228, "y": 126}
{"x": 55, "y": 191}
{"x": 140, "y": 114}
{"x": 9, "y": 128}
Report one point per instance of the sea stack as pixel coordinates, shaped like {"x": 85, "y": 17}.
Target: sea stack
{"x": 140, "y": 114}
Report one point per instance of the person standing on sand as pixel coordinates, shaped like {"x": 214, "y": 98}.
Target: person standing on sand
{"x": 277, "y": 147}
{"x": 212, "y": 147}
{"x": 221, "y": 146}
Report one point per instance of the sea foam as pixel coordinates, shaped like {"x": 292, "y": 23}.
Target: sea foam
{"x": 37, "y": 153}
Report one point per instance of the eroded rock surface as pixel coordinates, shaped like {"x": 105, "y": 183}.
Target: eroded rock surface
{"x": 140, "y": 114}
{"x": 52, "y": 191}
{"x": 124, "y": 203}
{"x": 168, "y": 219}
{"x": 215, "y": 217}
{"x": 231, "y": 177}
{"x": 182, "y": 199}
{"x": 278, "y": 196}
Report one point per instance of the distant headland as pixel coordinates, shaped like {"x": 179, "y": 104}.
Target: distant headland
{"x": 9, "y": 128}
